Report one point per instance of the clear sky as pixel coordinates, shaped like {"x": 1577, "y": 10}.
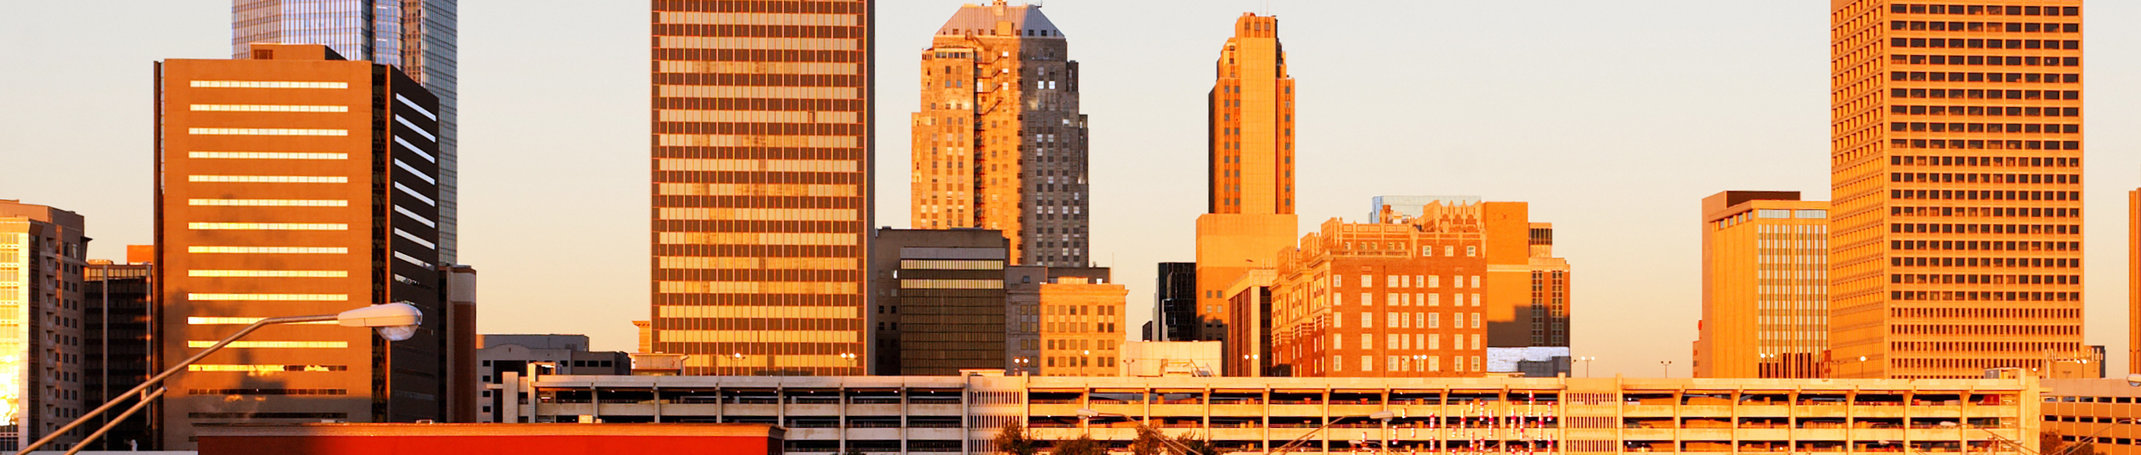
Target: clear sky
{"x": 1613, "y": 119}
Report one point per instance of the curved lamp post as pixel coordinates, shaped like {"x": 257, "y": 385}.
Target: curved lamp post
{"x": 394, "y": 321}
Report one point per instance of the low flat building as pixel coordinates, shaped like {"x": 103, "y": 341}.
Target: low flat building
{"x": 1171, "y": 358}
{"x": 506, "y": 358}
{"x": 929, "y": 415}
{"x": 2095, "y": 411}
{"x": 519, "y": 439}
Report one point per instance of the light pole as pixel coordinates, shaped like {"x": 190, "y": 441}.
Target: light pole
{"x": 1668, "y": 365}
{"x": 1586, "y": 364}
{"x": 1384, "y": 416}
{"x": 849, "y": 357}
{"x": 1862, "y": 367}
{"x": 394, "y": 322}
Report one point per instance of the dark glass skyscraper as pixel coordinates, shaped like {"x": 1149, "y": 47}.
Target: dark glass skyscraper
{"x": 416, "y": 35}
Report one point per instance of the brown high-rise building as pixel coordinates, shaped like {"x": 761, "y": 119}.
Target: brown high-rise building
{"x": 295, "y": 183}
{"x": 762, "y": 155}
{"x": 2133, "y": 281}
{"x": 41, "y": 351}
{"x": 1765, "y": 308}
{"x": 1251, "y": 208}
{"x": 999, "y": 143}
{"x": 1956, "y": 242}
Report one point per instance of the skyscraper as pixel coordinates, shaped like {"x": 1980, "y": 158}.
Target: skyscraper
{"x": 295, "y": 183}
{"x": 42, "y": 254}
{"x": 761, "y": 208}
{"x": 1765, "y": 303}
{"x": 1956, "y": 244}
{"x": 420, "y": 37}
{"x": 1251, "y": 170}
{"x": 999, "y": 143}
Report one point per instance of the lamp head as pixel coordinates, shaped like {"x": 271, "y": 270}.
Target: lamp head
{"x": 395, "y": 321}
{"x": 2133, "y": 380}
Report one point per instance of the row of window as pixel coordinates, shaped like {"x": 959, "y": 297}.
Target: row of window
{"x": 1983, "y": 228}
{"x": 1969, "y": 76}
{"x": 1960, "y": 296}
{"x": 1985, "y": 212}
{"x": 1972, "y": 26}
{"x": 1982, "y": 94}
{"x": 1984, "y": 145}
{"x": 2011, "y": 313}
{"x": 1985, "y": 262}
{"x": 1944, "y": 278}
{"x": 1993, "y": 60}
{"x": 1978, "y": 43}
{"x": 1982, "y": 10}
{"x": 1982, "y": 245}
{"x": 1961, "y": 127}
{"x": 1944, "y": 177}
{"x": 1987, "y": 195}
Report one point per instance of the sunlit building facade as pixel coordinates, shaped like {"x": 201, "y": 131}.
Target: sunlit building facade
{"x": 420, "y": 37}
{"x": 1956, "y": 241}
{"x": 962, "y": 415}
{"x": 1404, "y": 298}
{"x": 999, "y": 143}
{"x": 1528, "y": 288}
{"x": 295, "y": 183}
{"x": 1077, "y": 317}
{"x": 761, "y": 183}
{"x": 1250, "y": 213}
{"x": 1765, "y": 284}
{"x": 42, "y": 254}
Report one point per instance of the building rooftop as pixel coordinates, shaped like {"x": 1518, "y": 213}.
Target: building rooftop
{"x": 974, "y": 19}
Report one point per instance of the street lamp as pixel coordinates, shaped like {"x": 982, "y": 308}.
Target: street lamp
{"x": 1384, "y": 416}
{"x": 1085, "y": 414}
{"x": 393, "y": 321}
{"x": 1586, "y": 364}
{"x": 1668, "y": 365}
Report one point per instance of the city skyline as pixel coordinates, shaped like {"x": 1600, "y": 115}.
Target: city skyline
{"x": 1611, "y": 120}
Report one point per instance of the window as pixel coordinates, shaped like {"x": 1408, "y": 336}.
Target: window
{"x": 1367, "y": 341}
{"x": 1434, "y": 281}
{"x": 1367, "y": 320}
{"x": 1367, "y": 281}
{"x": 1471, "y": 251}
{"x": 1475, "y": 322}
{"x": 1457, "y": 281}
{"x": 1434, "y": 320}
{"x": 1367, "y": 363}
{"x": 1338, "y": 363}
{"x": 1475, "y": 281}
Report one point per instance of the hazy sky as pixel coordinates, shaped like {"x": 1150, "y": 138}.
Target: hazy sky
{"x": 1612, "y": 118}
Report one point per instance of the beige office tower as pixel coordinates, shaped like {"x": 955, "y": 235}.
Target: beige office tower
{"x": 42, "y": 251}
{"x": 761, "y": 209}
{"x": 296, "y": 183}
{"x": 1251, "y": 213}
{"x": 999, "y": 143}
{"x": 1956, "y": 244}
{"x": 1765, "y": 303}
